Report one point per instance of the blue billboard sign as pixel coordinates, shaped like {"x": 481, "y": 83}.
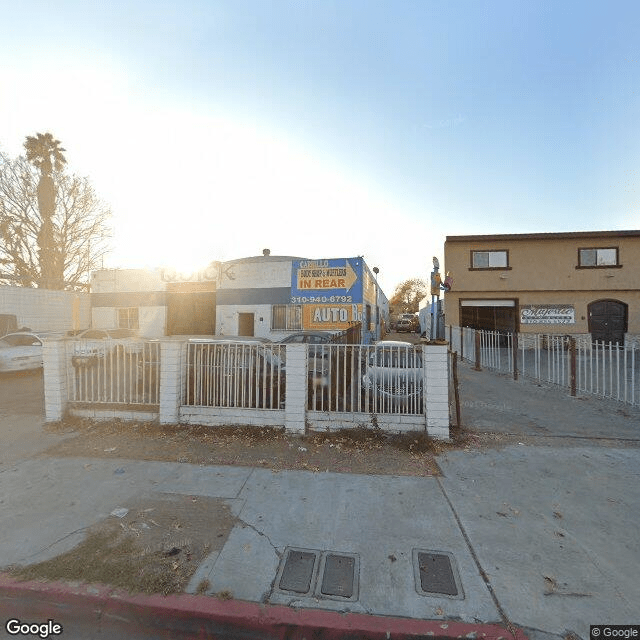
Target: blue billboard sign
{"x": 334, "y": 280}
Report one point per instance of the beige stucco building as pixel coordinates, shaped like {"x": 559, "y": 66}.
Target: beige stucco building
{"x": 568, "y": 283}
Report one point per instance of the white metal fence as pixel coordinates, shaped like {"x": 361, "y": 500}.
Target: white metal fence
{"x": 603, "y": 369}
{"x": 378, "y": 378}
{"x": 235, "y": 375}
{"x": 114, "y": 371}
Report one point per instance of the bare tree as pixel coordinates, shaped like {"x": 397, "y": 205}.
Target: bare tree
{"x": 59, "y": 251}
{"x": 407, "y": 296}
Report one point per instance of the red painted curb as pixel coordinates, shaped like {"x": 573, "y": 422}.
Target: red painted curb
{"x": 190, "y": 616}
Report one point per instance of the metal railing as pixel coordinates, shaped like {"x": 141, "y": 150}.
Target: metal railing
{"x": 380, "y": 379}
{"x": 114, "y": 371}
{"x": 340, "y": 377}
{"x": 235, "y": 375}
{"x": 604, "y": 369}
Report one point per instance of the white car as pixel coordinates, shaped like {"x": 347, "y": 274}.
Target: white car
{"x": 393, "y": 377}
{"x": 22, "y": 350}
{"x": 98, "y": 343}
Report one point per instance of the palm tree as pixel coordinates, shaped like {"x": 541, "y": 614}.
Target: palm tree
{"x": 45, "y": 153}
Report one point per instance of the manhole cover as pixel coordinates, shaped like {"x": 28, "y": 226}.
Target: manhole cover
{"x": 436, "y": 574}
{"x": 322, "y": 574}
{"x": 298, "y": 571}
{"x": 338, "y": 576}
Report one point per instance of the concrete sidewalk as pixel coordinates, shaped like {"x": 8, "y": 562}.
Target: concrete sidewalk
{"x": 542, "y": 537}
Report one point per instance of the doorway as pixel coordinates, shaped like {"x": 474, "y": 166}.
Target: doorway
{"x": 191, "y": 308}
{"x": 608, "y": 321}
{"x": 246, "y": 324}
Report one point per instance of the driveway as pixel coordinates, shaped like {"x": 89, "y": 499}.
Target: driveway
{"x": 22, "y": 416}
{"x": 496, "y": 403}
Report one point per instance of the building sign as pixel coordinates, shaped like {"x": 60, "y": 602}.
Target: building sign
{"x": 337, "y": 280}
{"x": 207, "y": 274}
{"x": 548, "y": 314}
{"x": 330, "y": 317}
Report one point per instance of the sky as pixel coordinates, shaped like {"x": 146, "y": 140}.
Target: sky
{"x": 325, "y": 129}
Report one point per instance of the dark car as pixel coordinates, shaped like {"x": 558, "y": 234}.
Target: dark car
{"x": 319, "y": 362}
{"x": 308, "y": 337}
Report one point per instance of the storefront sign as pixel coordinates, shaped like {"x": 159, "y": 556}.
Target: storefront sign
{"x": 330, "y": 317}
{"x": 548, "y": 314}
{"x": 326, "y": 281}
{"x": 204, "y": 275}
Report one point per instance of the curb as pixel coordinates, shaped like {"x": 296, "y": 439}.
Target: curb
{"x": 79, "y": 606}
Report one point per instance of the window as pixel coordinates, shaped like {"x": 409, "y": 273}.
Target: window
{"x": 489, "y": 259}
{"x": 286, "y": 317}
{"x": 128, "y": 318}
{"x": 605, "y": 257}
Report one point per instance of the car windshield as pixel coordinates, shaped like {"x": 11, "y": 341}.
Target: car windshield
{"x": 402, "y": 357}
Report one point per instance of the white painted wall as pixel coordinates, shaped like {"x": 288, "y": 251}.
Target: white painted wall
{"x": 267, "y": 274}
{"x": 126, "y": 280}
{"x": 45, "y": 310}
{"x": 152, "y": 320}
{"x": 103, "y": 318}
{"x": 227, "y": 320}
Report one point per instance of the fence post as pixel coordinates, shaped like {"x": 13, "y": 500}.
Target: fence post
{"x": 172, "y": 372}
{"x": 456, "y": 390}
{"x": 572, "y": 364}
{"x": 476, "y": 334}
{"x": 296, "y": 394}
{"x": 436, "y": 389}
{"x": 54, "y": 356}
{"x": 515, "y": 355}
{"x": 461, "y": 343}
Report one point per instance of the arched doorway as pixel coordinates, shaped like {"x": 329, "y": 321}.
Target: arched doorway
{"x": 608, "y": 320}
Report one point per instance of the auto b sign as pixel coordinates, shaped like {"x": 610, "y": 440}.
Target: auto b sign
{"x": 330, "y": 317}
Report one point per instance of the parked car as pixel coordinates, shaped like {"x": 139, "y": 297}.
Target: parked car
{"x": 393, "y": 376}
{"x": 235, "y": 371}
{"x": 97, "y": 343}
{"x": 319, "y": 362}
{"x": 308, "y": 337}
{"x": 408, "y": 322}
{"x": 22, "y": 350}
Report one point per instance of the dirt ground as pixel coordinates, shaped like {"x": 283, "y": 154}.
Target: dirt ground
{"x": 359, "y": 450}
{"x": 152, "y": 544}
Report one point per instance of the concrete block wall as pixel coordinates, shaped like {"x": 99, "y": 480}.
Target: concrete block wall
{"x": 44, "y": 310}
{"x": 55, "y": 379}
{"x": 332, "y": 421}
{"x": 221, "y": 417}
{"x": 296, "y": 403}
{"x": 436, "y": 389}
{"x": 173, "y": 356}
